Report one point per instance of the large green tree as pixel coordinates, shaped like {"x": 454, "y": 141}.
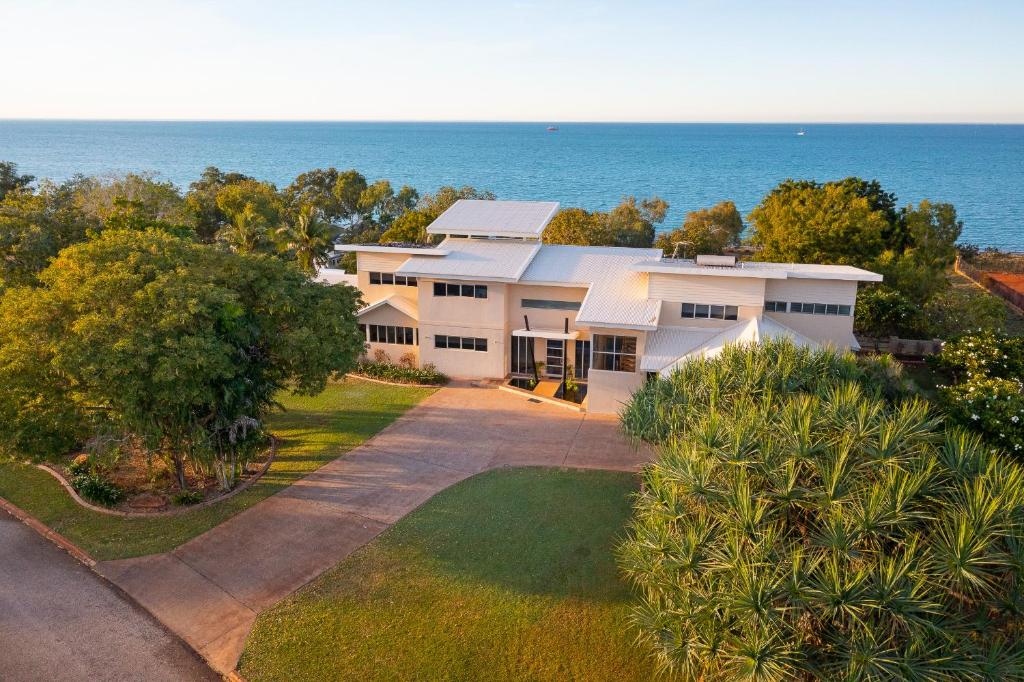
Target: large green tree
{"x": 182, "y": 344}
{"x": 630, "y": 224}
{"x": 10, "y": 180}
{"x": 254, "y": 212}
{"x": 201, "y": 202}
{"x": 309, "y": 239}
{"x": 705, "y": 231}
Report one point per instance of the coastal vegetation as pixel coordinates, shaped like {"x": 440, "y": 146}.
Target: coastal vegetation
{"x": 805, "y": 520}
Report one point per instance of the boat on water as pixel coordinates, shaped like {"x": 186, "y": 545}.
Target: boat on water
{"x": 800, "y": 133}
{"x": 552, "y": 129}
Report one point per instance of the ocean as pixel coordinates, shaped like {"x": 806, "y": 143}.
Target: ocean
{"x": 978, "y": 168}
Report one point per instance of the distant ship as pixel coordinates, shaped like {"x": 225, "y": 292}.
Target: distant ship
{"x": 552, "y": 129}
{"x": 800, "y": 133}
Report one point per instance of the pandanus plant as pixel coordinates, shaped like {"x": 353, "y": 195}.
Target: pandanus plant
{"x": 799, "y": 525}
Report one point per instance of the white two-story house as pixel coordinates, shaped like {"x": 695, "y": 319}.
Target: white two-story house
{"x": 491, "y": 301}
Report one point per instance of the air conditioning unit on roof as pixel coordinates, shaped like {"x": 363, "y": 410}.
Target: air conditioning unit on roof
{"x": 717, "y": 261}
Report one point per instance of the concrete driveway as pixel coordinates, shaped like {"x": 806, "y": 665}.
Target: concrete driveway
{"x": 60, "y": 621}
{"x": 210, "y": 589}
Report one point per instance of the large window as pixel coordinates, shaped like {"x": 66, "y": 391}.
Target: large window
{"x": 460, "y": 343}
{"x": 706, "y": 311}
{"x": 522, "y": 355}
{"x": 392, "y": 278}
{"x": 615, "y": 353}
{"x": 820, "y": 309}
{"x": 404, "y": 336}
{"x": 466, "y": 290}
{"x": 385, "y": 333}
{"x": 550, "y": 305}
{"x": 582, "y": 359}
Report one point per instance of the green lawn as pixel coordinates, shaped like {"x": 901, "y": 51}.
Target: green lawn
{"x": 509, "y": 575}
{"x": 313, "y": 431}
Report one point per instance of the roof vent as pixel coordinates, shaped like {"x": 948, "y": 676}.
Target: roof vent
{"x": 717, "y": 261}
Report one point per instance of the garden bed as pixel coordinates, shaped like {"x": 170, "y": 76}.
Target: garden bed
{"x": 136, "y": 484}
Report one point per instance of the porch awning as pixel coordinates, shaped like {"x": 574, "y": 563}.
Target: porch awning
{"x": 546, "y": 334}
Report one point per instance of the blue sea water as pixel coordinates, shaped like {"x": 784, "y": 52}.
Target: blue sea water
{"x": 978, "y": 168}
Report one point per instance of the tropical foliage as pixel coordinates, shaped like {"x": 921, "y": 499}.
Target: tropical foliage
{"x": 401, "y": 373}
{"x": 181, "y": 344}
{"x": 630, "y": 224}
{"x": 705, "y": 231}
{"x": 800, "y": 524}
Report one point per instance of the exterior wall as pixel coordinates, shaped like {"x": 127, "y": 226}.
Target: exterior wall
{"x": 608, "y": 391}
{"x": 542, "y": 318}
{"x": 388, "y": 315}
{"x": 834, "y": 329}
{"x": 381, "y": 262}
{"x": 672, "y": 316}
{"x": 738, "y": 291}
{"x": 458, "y": 316}
{"x": 811, "y": 291}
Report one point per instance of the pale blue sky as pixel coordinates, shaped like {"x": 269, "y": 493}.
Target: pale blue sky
{"x": 538, "y": 61}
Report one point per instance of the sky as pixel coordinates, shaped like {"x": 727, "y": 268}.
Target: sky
{"x": 700, "y": 60}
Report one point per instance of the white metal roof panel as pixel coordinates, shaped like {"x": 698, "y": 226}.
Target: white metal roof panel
{"x": 760, "y": 270}
{"x": 336, "y": 276}
{"x": 617, "y": 295}
{"x": 668, "y": 344}
{"x": 400, "y": 304}
{"x": 521, "y": 219}
{"x": 493, "y": 260}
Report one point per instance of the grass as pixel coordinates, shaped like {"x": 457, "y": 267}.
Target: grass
{"x": 1014, "y": 320}
{"x": 313, "y": 431}
{"x": 508, "y": 575}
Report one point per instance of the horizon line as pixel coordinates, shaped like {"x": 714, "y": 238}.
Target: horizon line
{"x": 504, "y": 121}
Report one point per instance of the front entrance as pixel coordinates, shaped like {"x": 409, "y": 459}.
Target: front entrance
{"x": 522, "y": 355}
{"x": 555, "y": 356}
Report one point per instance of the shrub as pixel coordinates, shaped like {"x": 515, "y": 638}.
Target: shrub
{"x": 187, "y": 497}
{"x": 953, "y": 310}
{"x": 96, "y": 488}
{"x": 883, "y": 312}
{"x": 380, "y": 356}
{"x": 79, "y": 465}
{"x": 994, "y": 408}
{"x": 797, "y": 528}
{"x": 408, "y": 360}
{"x": 982, "y": 354}
{"x": 384, "y": 371}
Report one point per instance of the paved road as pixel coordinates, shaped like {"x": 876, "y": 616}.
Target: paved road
{"x": 60, "y": 621}
{"x": 210, "y": 590}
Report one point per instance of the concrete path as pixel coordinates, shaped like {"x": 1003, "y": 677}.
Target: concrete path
{"x": 60, "y": 621}
{"x": 210, "y": 589}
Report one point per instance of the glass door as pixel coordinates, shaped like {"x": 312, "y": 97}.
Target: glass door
{"x": 556, "y": 352}
{"x": 521, "y": 355}
{"x": 582, "y": 359}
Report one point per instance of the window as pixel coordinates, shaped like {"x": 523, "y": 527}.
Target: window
{"x": 555, "y": 356}
{"x": 582, "y": 359}
{"x": 522, "y": 355}
{"x": 702, "y": 311}
{"x": 392, "y": 278}
{"x": 465, "y": 290}
{"x": 460, "y": 343}
{"x": 821, "y": 309}
{"x": 615, "y": 353}
{"x": 775, "y": 306}
{"x": 385, "y": 333}
{"x": 549, "y": 305}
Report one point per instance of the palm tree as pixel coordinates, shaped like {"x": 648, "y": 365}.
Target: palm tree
{"x": 310, "y": 238}
{"x": 798, "y": 525}
{"x": 246, "y": 232}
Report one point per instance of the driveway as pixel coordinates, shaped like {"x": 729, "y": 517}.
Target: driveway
{"x": 210, "y": 589}
{"x": 60, "y": 621}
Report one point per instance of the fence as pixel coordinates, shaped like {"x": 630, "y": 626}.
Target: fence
{"x": 901, "y": 347}
{"x": 984, "y": 279}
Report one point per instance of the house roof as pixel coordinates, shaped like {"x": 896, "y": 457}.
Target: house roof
{"x": 668, "y": 344}
{"x": 336, "y": 276}
{"x": 521, "y": 219}
{"x": 492, "y": 260}
{"x": 382, "y": 248}
{"x": 748, "y": 331}
{"x": 400, "y": 304}
{"x": 617, "y": 295}
{"x": 758, "y": 270}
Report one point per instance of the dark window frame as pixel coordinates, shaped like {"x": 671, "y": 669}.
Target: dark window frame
{"x": 470, "y": 343}
{"x": 395, "y": 335}
{"x": 613, "y": 353}
{"x": 548, "y": 304}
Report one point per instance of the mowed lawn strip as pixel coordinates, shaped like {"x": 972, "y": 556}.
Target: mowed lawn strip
{"x": 312, "y": 430}
{"x": 508, "y": 575}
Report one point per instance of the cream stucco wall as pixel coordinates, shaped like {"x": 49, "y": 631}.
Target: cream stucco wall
{"x": 672, "y": 316}
{"x": 834, "y": 329}
{"x": 608, "y": 391}
{"x": 811, "y": 291}
{"x": 461, "y": 316}
{"x": 381, "y": 262}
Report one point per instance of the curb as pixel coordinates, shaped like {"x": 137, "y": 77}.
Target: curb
{"x": 48, "y": 533}
{"x": 360, "y": 377}
{"x": 169, "y": 512}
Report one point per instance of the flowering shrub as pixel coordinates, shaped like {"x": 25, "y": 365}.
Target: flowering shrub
{"x": 398, "y": 374}
{"x": 991, "y": 407}
{"x": 983, "y": 354}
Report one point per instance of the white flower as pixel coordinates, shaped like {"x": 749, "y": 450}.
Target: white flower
{"x": 975, "y": 417}
{"x": 1015, "y": 419}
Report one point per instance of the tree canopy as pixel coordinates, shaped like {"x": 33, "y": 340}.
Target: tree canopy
{"x": 704, "y": 231}
{"x": 176, "y": 342}
{"x": 630, "y": 224}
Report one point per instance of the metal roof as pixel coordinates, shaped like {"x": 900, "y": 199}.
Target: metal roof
{"x": 336, "y": 276}
{"x": 520, "y": 219}
{"x": 746, "y": 331}
{"x": 381, "y": 248}
{"x": 758, "y": 270}
{"x": 617, "y": 295}
{"x": 668, "y": 344}
{"x": 491, "y": 260}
